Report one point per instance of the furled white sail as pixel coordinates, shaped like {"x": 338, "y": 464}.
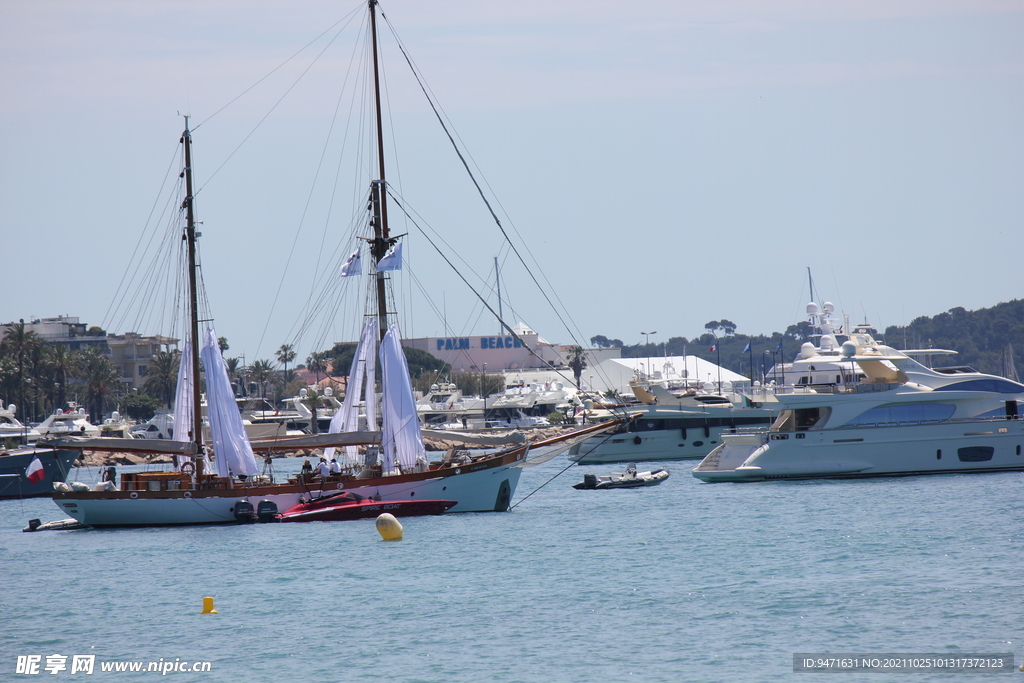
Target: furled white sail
{"x": 230, "y": 444}
{"x": 401, "y": 440}
{"x": 184, "y": 408}
{"x": 370, "y": 393}
{"x": 347, "y": 417}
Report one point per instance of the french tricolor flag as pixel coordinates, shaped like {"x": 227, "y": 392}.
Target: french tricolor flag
{"x": 35, "y": 471}
{"x": 713, "y": 347}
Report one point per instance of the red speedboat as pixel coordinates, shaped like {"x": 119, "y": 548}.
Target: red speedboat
{"x": 345, "y": 505}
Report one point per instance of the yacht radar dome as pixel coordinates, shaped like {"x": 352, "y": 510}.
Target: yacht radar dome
{"x": 812, "y": 309}
{"x": 849, "y": 349}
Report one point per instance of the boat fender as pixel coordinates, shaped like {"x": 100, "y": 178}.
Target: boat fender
{"x": 637, "y": 440}
{"x": 243, "y": 512}
{"x": 266, "y": 511}
{"x": 707, "y": 431}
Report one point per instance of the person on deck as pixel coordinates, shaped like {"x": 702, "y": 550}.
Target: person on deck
{"x": 335, "y": 467}
{"x": 323, "y": 469}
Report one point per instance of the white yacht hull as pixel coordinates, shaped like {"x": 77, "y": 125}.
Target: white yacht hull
{"x": 955, "y": 447}
{"x": 687, "y": 435}
{"x": 663, "y": 444}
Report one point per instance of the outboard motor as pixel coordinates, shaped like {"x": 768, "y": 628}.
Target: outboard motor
{"x": 244, "y": 512}
{"x": 266, "y": 511}
{"x": 590, "y": 481}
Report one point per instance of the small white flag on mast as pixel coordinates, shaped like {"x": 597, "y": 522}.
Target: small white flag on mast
{"x": 392, "y": 260}
{"x": 352, "y": 266}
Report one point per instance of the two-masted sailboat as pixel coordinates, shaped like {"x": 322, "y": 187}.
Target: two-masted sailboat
{"x": 193, "y": 494}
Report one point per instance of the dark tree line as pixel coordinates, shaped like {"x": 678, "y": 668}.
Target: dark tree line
{"x": 979, "y": 338}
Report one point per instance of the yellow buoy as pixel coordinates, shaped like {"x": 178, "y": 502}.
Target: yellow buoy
{"x": 208, "y": 606}
{"x": 389, "y": 528}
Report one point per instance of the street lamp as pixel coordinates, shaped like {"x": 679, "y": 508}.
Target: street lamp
{"x": 647, "y": 343}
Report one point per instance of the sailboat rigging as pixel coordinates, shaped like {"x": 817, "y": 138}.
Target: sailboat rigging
{"x": 192, "y": 495}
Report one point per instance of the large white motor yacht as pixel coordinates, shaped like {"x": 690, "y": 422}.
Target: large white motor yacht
{"x": 73, "y": 421}
{"x": 901, "y": 418}
{"x": 12, "y": 431}
{"x": 669, "y": 427}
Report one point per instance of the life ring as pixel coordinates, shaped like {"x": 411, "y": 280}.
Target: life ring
{"x": 188, "y": 494}
{"x": 133, "y": 494}
{"x": 188, "y": 468}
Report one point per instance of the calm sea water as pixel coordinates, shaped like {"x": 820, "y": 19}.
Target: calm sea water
{"x": 684, "y": 581}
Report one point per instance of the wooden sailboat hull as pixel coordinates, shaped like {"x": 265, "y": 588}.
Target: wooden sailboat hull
{"x": 486, "y": 485}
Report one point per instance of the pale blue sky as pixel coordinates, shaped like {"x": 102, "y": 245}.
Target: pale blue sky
{"x": 667, "y": 163}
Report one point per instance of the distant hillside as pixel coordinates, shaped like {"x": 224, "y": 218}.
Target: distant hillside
{"x": 977, "y": 336}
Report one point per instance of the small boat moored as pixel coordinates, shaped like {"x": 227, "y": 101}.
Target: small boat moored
{"x": 630, "y": 479}
{"x": 345, "y": 506}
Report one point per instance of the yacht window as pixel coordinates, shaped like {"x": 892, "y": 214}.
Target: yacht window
{"x": 975, "y": 453}
{"x": 994, "y": 384}
{"x": 904, "y": 413}
{"x": 649, "y": 425}
{"x": 1008, "y": 411}
{"x": 807, "y": 418}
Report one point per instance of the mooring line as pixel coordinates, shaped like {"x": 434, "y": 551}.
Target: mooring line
{"x": 542, "y": 486}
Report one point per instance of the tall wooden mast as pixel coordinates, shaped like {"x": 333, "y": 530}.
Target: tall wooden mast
{"x": 381, "y": 235}
{"x": 190, "y": 240}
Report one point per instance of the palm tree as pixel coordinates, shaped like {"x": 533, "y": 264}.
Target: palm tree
{"x": 56, "y": 366}
{"x": 578, "y": 362}
{"x": 312, "y": 401}
{"x": 162, "y": 376}
{"x": 317, "y": 363}
{"x": 22, "y": 346}
{"x": 285, "y": 355}
{"x": 102, "y": 381}
{"x": 262, "y": 372}
{"x": 234, "y": 372}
